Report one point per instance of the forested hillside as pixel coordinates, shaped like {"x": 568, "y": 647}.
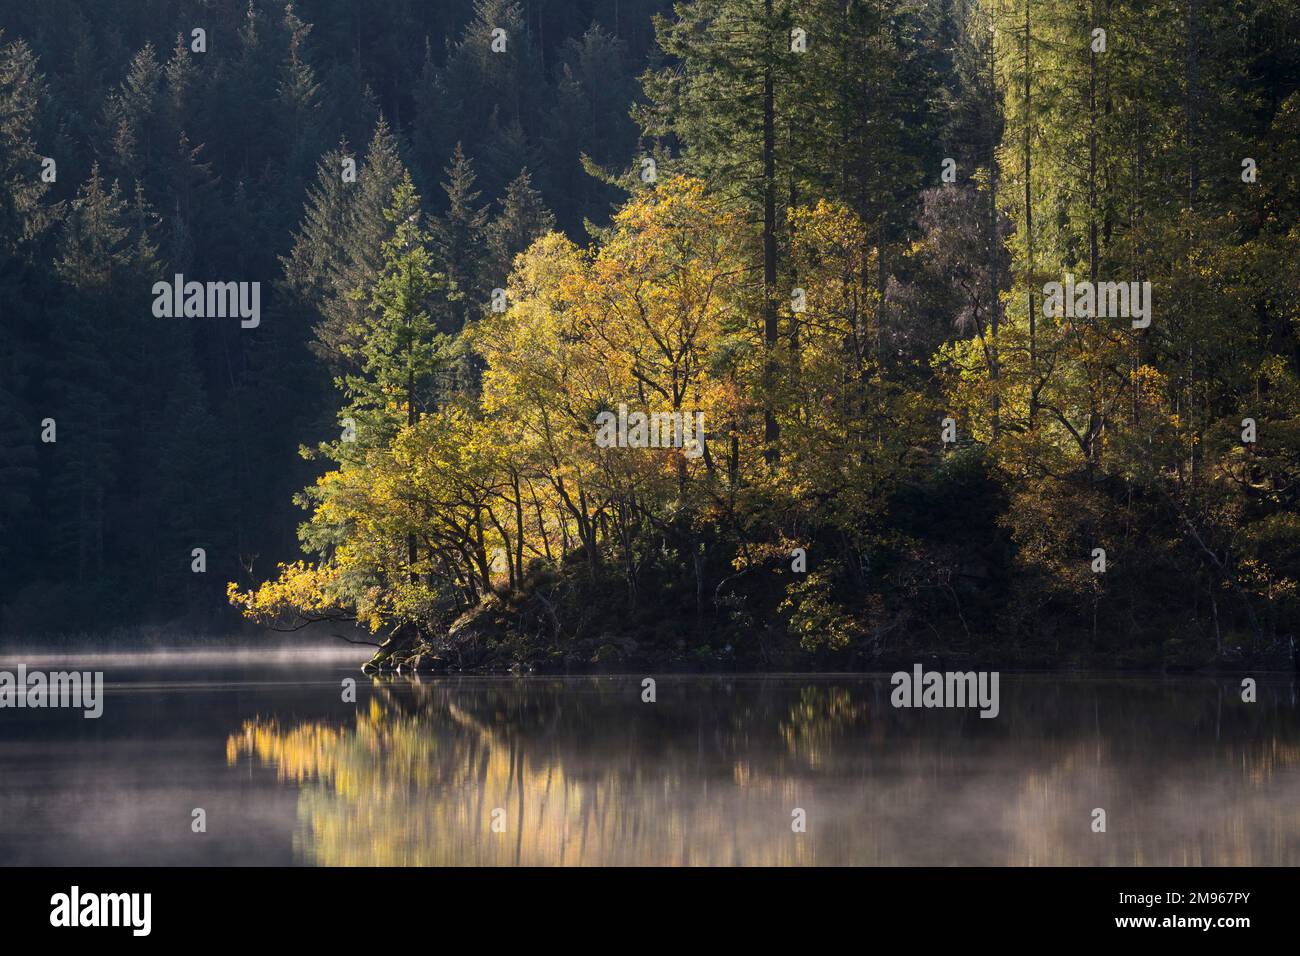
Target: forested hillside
{"x": 762, "y": 333}
{"x": 173, "y": 435}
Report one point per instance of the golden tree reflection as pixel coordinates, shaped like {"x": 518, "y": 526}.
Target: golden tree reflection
{"x": 581, "y": 772}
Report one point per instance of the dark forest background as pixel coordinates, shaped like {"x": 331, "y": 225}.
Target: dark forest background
{"x": 171, "y": 161}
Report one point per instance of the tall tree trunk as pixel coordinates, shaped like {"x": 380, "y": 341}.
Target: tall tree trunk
{"x": 1192, "y": 112}
{"x": 1094, "y": 412}
{"x": 1029, "y": 232}
{"x": 995, "y": 305}
{"x": 412, "y": 549}
{"x": 771, "y": 429}
{"x": 1092, "y": 153}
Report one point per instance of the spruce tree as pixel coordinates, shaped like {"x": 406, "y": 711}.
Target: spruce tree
{"x": 23, "y": 215}
{"x": 724, "y": 105}
{"x": 337, "y": 250}
{"x": 458, "y": 242}
{"x": 523, "y": 217}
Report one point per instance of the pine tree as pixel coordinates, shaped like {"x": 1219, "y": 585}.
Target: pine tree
{"x": 505, "y": 150}
{"x": 189, "y": 509}
{"x": 181, "y": 77}
{"x": 23, "y": 216}
{"x": 24, "y": 219}
{"x": 402, "y": 354}
{"x": 131, "y": 118}
{"x": 523, "y": 217}
{"x": 337, "y": 250}
{"x": 401, "y": 348}
{"x": 299, "y": 94}
{"x": 733, "y": 92}
{"x": 189, "y": 183}
{"x": 96, "y": 240}
{"x": 458, "y": 241}
{"x": 95, "y": 256}
{"x": 430, "y": 129}
{"x": 319, "y": 242}
{"x": 591, "y": 118}
{"x": 479, "y": 82}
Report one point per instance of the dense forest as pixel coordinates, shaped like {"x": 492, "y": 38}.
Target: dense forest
{"x": 742, "y": 333}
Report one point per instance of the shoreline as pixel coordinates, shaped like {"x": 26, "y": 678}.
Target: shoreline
{"x": 610, "y": 655}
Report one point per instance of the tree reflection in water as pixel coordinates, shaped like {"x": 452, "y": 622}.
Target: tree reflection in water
{"x": 588, "y": 774}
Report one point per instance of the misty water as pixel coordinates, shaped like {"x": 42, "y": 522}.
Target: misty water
{"x": 579, "y": 770}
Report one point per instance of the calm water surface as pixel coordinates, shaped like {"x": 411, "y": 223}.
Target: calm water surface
{"x": 288, "y": 773}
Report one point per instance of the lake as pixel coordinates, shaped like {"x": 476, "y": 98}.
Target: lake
{"x": 579, "y": 770}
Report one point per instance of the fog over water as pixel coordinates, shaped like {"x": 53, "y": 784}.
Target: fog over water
{"x": 579, "y": 770}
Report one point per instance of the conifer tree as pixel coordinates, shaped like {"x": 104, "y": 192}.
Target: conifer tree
{"x": 401, "y": 353}
{"x": 298, "y": 94}
{"x": 131, "y": 118}
{"x": 458, "y": 240}
{"x": 479, "y": 80}
{"x": 338, "y": 247}
{"x": 725, "y": 104}
{"x": 23, "y": 216}
{"x": 592, "y": 118}
{"x": 523, "y": 217}
{"x": 400, "y": 349}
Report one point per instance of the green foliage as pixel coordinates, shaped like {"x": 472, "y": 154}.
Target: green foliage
{"x": 472, "y": 492}
{"x": 1075, "y": 433}
{"x": 177, "y": 434}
